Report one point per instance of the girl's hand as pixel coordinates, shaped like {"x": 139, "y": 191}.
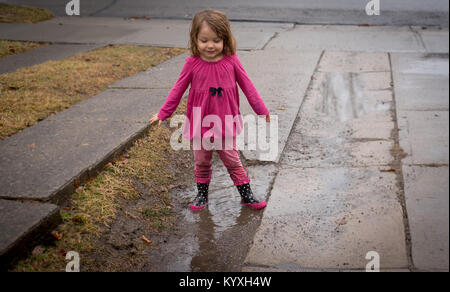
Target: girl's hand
{"x": 268, "y": 118}
{"x": 154, "y": 119}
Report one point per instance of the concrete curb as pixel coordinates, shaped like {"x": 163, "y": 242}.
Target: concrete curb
{"x": 22, "y": 225}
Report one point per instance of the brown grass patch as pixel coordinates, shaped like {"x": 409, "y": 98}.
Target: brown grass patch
{"x": 23, "y": 14}
{"x": 31, "y": 94}
{"x": 8, "y": 48}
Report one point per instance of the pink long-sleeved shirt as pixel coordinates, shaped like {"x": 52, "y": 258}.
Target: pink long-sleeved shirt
{"x": 203, "y": 101}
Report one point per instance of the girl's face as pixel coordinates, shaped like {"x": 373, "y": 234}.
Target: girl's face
{"x": 209, "y": 44}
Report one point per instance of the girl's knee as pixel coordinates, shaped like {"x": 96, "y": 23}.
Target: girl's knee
{"x": 204, "y": 165}
{"x": 202, "y": 159}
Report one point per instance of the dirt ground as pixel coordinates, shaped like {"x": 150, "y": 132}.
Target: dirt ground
{"x": 121, "y": 247}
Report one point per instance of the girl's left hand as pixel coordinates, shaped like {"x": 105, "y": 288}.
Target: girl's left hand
{"x": 154, "y": 119}
{"x": 268, "y": 118}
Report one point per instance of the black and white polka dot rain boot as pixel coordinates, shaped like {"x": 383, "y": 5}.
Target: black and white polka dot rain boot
{"x": 202, "y": 197}
{"x": 248, "y": 199}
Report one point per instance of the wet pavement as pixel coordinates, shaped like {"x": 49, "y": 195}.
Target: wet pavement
{"x": 336, "y": 196}
{"x": 218, "y": 237}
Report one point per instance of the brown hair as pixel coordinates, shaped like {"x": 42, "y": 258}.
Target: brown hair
{"x": 219, "y": 23}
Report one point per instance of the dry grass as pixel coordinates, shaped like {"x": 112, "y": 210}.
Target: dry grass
{"x": 95, "y": 206}
{"x": 23, "y": 14}
{"x": 8, "y": 48}
{"x": 31, "y": 94}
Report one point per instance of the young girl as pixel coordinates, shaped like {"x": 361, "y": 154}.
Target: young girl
{"x": 213, "y": 70}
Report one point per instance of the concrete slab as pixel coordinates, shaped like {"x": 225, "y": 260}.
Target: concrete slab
{"x": 43, "y": 54}
{"x": 376, "y": 80}
{"x": 336, "y": 152}
{"x": 330, "y": 218}
{"x": 356, "y": 62}
{"x": 349, "y": 38}
{"x": 345, "y": 120}
{"x": 347, "y": 96}
{"x": 420, "y": 64}
{"x": 427, "y": 201}
{"x": 118, "y": 105}
{"x": 435, "y": 39}
{"x": 283, "y": 93}
{"x": 424, "y": 136}
{"x": 164, "y": 33}
{"x": 164, "y": 75}
{"x": 421, "y": 81}
{"x": 33, "y": 166}
{"x": 376, "y": 125}
{"x": 418, "y": 92}
{"x": 21, "y": 224}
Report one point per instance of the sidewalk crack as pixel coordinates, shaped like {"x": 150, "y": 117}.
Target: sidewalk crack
{"x": 418, "y": 37}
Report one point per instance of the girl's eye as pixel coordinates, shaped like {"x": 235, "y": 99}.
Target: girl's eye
{"x": 217, "y": 41}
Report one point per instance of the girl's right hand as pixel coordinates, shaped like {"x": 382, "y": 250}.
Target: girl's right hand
{"x": 154, "y": 119}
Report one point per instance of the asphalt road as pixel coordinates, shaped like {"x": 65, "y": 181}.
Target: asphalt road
{"x": 391, "y": 12}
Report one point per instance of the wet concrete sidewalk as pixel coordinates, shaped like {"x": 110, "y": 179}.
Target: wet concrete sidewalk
{"x": 336, "y": 196}
{"x": 365, "y": 168}
{"x": 337, "y": 188}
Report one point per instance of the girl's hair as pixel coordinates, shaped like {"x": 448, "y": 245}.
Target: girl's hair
{"x": 219, "y": 23}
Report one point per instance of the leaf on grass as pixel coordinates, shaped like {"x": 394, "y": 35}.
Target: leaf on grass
{"x": 146, "y": 239}
{"x": 56, "y": 235}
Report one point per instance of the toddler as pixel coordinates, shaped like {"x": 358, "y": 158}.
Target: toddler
{"x": 212, "y": 70}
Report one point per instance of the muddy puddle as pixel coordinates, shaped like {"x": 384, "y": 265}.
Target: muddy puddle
{"x": 216, "y": 238}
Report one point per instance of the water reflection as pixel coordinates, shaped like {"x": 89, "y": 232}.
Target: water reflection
{"x": 218, "y": 237}
{"x": 221, "y": 229}
{"x": 344, "y": 96}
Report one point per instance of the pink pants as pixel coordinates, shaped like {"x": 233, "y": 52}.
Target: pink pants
{"x": 230, "y": 158}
